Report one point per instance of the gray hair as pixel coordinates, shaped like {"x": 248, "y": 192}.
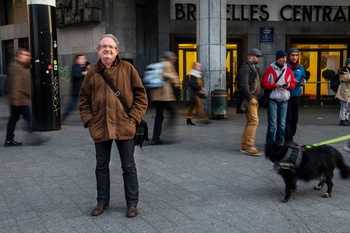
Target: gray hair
{"x": 110, "y": 36}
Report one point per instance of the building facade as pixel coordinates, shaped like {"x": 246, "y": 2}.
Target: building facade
{"x": 320, "y": 29}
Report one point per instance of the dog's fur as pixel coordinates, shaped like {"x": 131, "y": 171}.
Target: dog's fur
{"x": 316, "y": 162}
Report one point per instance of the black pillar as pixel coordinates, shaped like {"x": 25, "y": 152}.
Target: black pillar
{"x": 43, "y": 46}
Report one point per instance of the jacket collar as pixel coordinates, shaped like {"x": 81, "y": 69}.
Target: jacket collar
{"x": 100, "y": 66}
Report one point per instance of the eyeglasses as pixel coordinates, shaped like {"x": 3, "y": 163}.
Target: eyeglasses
{"x": 107, "y": 46}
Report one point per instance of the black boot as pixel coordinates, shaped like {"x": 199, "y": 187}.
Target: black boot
{"x": 189, "y": 121}
{"x": 344, "y": 123}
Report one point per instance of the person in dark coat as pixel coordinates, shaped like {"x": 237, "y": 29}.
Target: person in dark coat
{"x": 196, "y": 92}
{"x": 20, "y": 92}
{"x": 249, "y": 85}
{"x": 78, "y": 73}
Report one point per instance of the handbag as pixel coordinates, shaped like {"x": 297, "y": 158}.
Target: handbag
{"x": 141, "y": 134}
{"x": 237, "y": 97}
{"x": 264, "y": 100}
{"x": 202, "y": 95}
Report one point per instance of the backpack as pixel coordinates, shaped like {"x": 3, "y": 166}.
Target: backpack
{"x": 153, "y": 75}
{"x": 335, "y": 82}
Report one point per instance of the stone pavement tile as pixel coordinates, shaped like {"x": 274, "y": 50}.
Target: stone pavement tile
{"x": 201, "y": 184}
{"x": 31, "y": 225}
{"x": 13, "y": 229}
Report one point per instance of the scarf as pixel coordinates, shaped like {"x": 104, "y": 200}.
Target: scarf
{"x": 195, "y": 73}
{"x": 294, "y": 65}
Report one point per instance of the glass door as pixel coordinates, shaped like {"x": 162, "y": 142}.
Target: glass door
{"x": 188, "y": 55}
{"x": 318, "y": 60}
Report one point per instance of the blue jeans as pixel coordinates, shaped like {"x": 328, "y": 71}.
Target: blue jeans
{"x": 276, "y": 118}
{"x": 344, "y": 111}
{"x": 126, "y": 154}
{"x": 72, "y": 105}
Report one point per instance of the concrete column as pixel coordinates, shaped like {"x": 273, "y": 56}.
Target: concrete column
{"x": 211, "y": 44}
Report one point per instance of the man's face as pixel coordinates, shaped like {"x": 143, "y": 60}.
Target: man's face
{"x": 293, "y": 57}
{"x": 256, "y": 59}
{"x": 282, "y": 60}
{"x": 81, "y": 60}
{"x": 107, "y": 49}
{"x": 24, "y": 57}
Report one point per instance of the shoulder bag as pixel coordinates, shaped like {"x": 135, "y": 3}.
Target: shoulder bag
{"x": 142, "y": 128}
{"x": 264, "y": 100}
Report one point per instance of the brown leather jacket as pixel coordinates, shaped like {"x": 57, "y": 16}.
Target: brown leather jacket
{"x": 101, "y": 110}
{"x": 19, "y": 85}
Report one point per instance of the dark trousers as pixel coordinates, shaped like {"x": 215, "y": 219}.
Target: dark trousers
{"x": 158, "y": 121}
{"x": 73, "y": 104}
{"x": 15, "y": 112}
{"x": 103, "y": 156}
{"x": 292, "y": 118}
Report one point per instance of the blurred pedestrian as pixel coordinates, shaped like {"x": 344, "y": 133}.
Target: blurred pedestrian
{"x": 88, "y": 66}
{"x": 343, "y": 93}
{"x": 293, "y": 102}
{"x": 196, "y": 92}
{"x": 165, "y": 97}
{"x": 19, "y": 97}
{"x": 279, "y": 79}
{"x": 79, "y": 70}
{"x": 103, "y": 113}
{"x": 248, "y": 79}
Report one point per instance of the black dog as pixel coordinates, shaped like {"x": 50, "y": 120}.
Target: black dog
{"x": 304, "y": 163}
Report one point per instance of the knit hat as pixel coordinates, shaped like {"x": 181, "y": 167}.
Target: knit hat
{"x": 347, "y": 62}
{"x": 280, "y": 53}
{"x": 292, "y": 50}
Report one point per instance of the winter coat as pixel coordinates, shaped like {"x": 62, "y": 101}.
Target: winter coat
{"x": 195, "y": 84}
{"x": 77, "y": 78}
{"x": 269, "y": 78}
{"x": 343, "y": 92}
{"x": 101, "y": 110}
{"x": 248, "y": 80}
{"x": 171, "y": 80}
{"x": 19, "y": 85}
{"x": 299, "y": 74}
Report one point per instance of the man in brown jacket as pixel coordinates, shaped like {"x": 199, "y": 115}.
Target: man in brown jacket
{"x": 104, "y": 115}
{"x": 164, "y": 97}
{"x": 19, "y": 98}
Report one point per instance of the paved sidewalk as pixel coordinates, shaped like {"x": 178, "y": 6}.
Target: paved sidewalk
{"x": 200, "y": 184}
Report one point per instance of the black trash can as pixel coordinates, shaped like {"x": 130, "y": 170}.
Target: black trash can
{"x": 218, "y": 104}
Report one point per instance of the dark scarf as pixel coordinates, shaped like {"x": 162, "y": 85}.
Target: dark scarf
{"x": 294, "y": 65}
{"x": 279, "y": 66}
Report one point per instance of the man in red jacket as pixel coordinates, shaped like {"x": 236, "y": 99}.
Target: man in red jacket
{"x": 279, "y": 79}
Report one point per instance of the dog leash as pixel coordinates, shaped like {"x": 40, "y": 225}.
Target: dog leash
{"x": 329, "y": 141}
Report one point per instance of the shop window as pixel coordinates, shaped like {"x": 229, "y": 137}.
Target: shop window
{"x": 188, "y": 55}
{"x": 15, "y": 11}
{"x": 316, "y": 58}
